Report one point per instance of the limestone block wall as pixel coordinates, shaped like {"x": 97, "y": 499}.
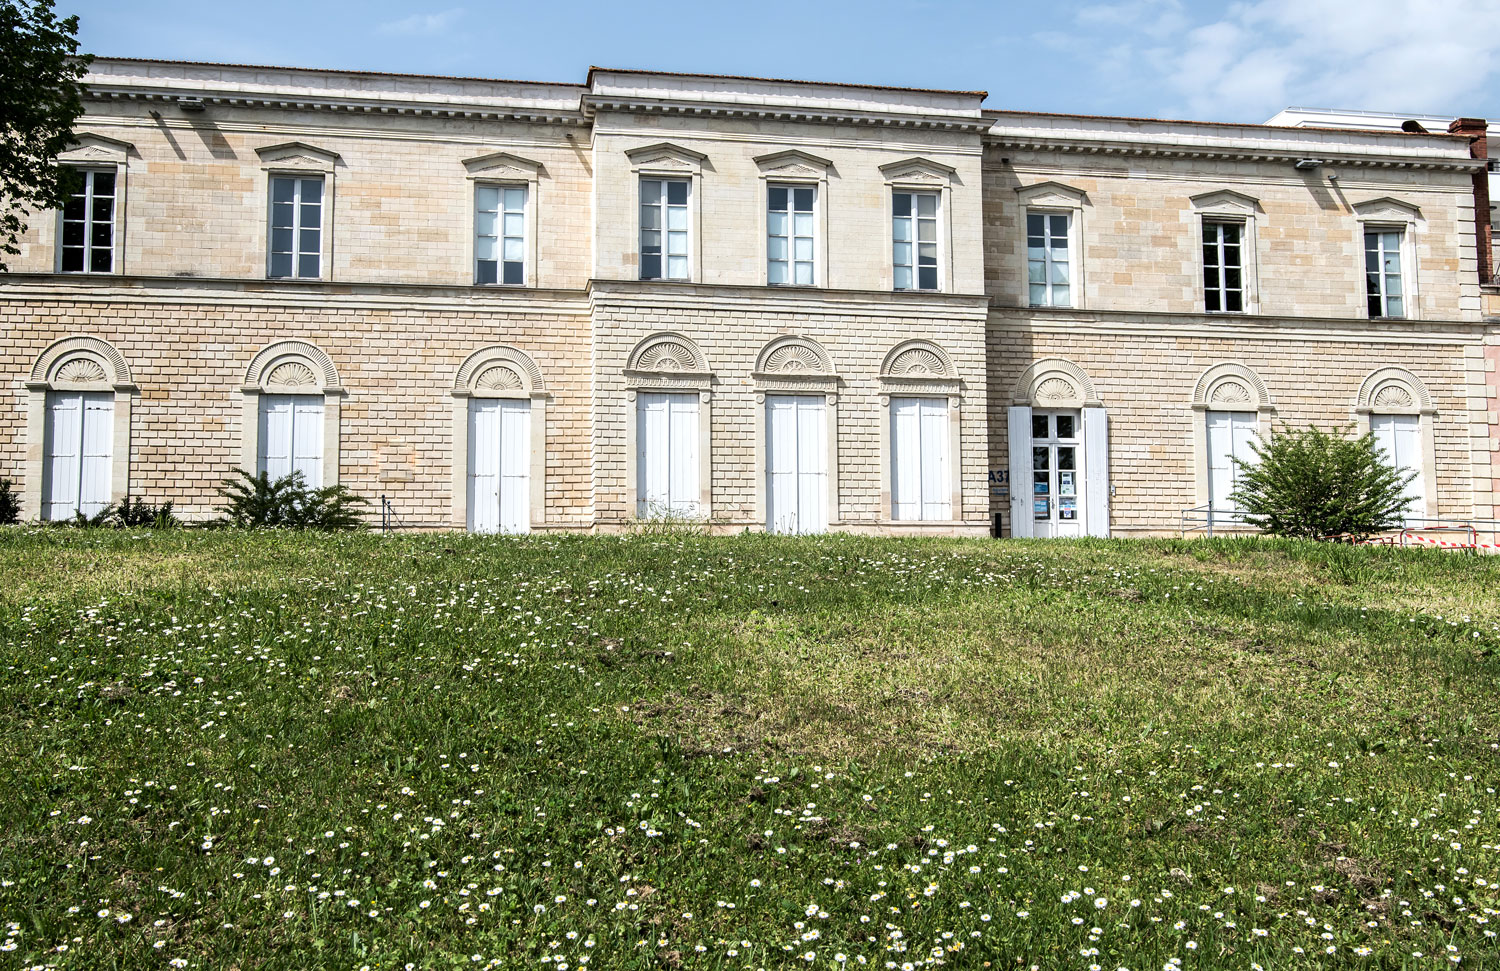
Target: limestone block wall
{"x": 730, "y": 211}
{"x": 195, "y": 194}
{"x": 731, "y": 326}
{"x": 1145, "y": 371}
{"x": 188, "y": 355}
{"x": 1141, "y": 242}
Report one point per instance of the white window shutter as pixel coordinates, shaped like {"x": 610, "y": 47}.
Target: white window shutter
{"x": 1018, "y": 423}
{"x": 484, "y": 465}
{"x": 781, "y": 452}
{"x": 307, "y": 439}
{"x": 64, "y": 454}
{"x": 812, "y": 465}
{"x": 906, "y": 459}
{"x": 97, "y": 441}
{"x": 275, "y": 438}
{"x": 937, "y": 484}
{"x": 683, "y": 443}
{"x": 1096, "y": 470}
{"x": 651, "y": 454}
{"x": 515, "y": 466}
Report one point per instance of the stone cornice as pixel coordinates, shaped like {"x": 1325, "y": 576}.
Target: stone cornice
{"x": 593, "y": 104}
{"x": 1225, "y": 153}
{"x": 1133, "y": 323}
{"x": 792, "y": 300}
{"x": 303, "y": 102}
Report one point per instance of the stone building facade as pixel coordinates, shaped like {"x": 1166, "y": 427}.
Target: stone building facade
{"x": 782, "y": 305}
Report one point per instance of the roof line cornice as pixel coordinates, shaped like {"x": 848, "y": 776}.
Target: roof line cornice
{"x": 98, "y": 92}
{"x": 1021, "y": 143}
{"x": 593, "y": 103}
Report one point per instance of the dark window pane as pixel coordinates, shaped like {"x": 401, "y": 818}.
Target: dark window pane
{"x": 1211, "y": 277}
{"x": 1235, "y": 301}
{"x": 312, "y": 216}
{"x": 73, "y": 208}
{"x": 1210, "y": 255}
{"x": 311, "y": 241}
{"x": 485, "y": 271}
{"x": 927, "y": 278}
{"x": 281, "y": 264}
{"x": 1211, "y": 301}
{"x": 72, "y": 260}
{"x": 1374, "y": 306}
{"x": 1060, "y": 226}
{"x": 1231, "y": 233}
{"x": 1065, "y": 458}
{"x": 1065, "y": 428}
{"x": 307, "y": 266}
{"x": 650, "y": 267}
{"x": 651, "y": 241}
{"x": 281, "y": 240}
{"x": 804, "y": 200}
{"x": 778, "y": 198}
{"x": 676, "y": 193}
{"x": 282, "y": 190}
{"x": 1038, "y": 426}
{"x": 1232, "y": 278}
{"x": 1372, "y": 283}
{"x": 72, "y": 234}
{"x": 1041, "y": 459}
{"x": 901, "y": 203}
{"x": 312, "y": 191}
{"x": 104, "y": 210}
{"x": 101, "y": 235}
{"x": 281, "y": 214}
{"x": 513, "y": 273}
{"x": 99, "y": 261}
{"x": 104, "y": 183}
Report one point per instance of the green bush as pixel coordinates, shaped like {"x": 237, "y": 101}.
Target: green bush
{"x": 1320, "y": 484}
{"x": 137, "y": 512}
{"x": 255, "y": 501}
{"x": 10, "y": 504}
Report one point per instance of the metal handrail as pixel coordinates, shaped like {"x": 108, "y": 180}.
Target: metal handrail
{"x": 1211, "y": 516}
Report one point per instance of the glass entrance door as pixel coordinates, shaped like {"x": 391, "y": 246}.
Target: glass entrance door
{"x": 1056, "y": 474}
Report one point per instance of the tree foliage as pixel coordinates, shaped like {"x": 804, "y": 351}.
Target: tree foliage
{"x": 40, "y": 98}
{"x": 1319, "y": 484}
{"x": 287, "y": 502}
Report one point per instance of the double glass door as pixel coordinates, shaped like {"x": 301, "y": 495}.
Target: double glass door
{"x": 1056, "y": 473}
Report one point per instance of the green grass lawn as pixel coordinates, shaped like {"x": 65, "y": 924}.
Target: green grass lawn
{"x": 231, "y": 750}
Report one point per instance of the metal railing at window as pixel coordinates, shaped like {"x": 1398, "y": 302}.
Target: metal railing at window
{"x": 1207, "y": 518}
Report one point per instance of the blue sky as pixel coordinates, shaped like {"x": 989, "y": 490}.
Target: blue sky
{"x": 1239, "y": 61}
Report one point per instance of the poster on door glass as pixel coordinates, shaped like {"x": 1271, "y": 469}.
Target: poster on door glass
{"x": 1067, "y": 508}
{"x": 1065, "y": 484}
{"x": 1039, "y": 508}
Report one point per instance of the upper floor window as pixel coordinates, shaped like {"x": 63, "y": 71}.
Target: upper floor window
{"x": 1223, "y": 267}
{"x": 664, "y": 229}
{"x": 88, "y": 224}
{"x": 790, "y": 237}
{"x": 1383, "y": 287}
{"x": 500, "y": 234}
{"x": 1048, "y": 273}
{"x": 914, "y": 233}
{"x": 297, "y": 227}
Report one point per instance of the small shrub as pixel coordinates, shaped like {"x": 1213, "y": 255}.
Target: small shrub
{"x": 100, "y": 519}
{"x": 10, "y": 504}
{"x": 1318, "y": 484}
{"x": 256, "y": 501}
{"x": 137, "y": 512}
{"x": 663, "y": 520}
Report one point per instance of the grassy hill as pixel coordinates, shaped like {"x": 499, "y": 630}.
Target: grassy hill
{"x": 231, "y": 750}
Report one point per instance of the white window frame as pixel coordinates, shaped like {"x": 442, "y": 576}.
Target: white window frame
{"x": 101, "y": 154}
{"x": 500, "y": 236}
{"x": 1049, "y": 285}
{"x": 1226, "y": 386}
{"x": 797, "y": 169}
{"x": 671, "y": 362}
{"x": 301, "y": 405}
{"x": 1416, "y": 507}
{"x": 498, "y": 371}
{"x": 664, "y": 209}
{"x": 1391, "y": 215}
{"x": 73, "y": 364}
{"x": 1053, "y": 198}
{"x": 1397, "y": 391}
{"x": 298, "y": 178}
{"x": 89, "y": 173}
{"x": 1236, "y": 416}
{"x": 299, "y": 160}
{"x": 686, "y": 507}
{"x": 1382, "y": 294}
{"x": 920, "y": 369}
{"x": 504, "y": 170}
{"x": 943, "y": 499}
{"x": 669, "y": 162}
{"x": 791, "y": 236}
{"x": 1220, "y": 248}
{"x": 1228, "y": 206}
{"x": 291, "y": 367}
{"x": 916, "y": 219}
{"x": 795, "y": 365}
{"x": 918, "y": 174}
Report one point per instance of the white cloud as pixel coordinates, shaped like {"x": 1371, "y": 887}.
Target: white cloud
{"x": 1247, "y": 60}
{"x": 422, "y": 23}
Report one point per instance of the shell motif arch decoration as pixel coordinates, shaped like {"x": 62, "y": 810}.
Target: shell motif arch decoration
{"x": 81, "y": 362}
{"x": 1394, "y": 390}
{"x": 1231, "y": 386}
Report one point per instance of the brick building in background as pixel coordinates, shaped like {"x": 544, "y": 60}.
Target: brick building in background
{"x": 785, "y": 305}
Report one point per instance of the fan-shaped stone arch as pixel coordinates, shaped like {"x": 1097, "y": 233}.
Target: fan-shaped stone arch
{"x": 1055, "y": 382}
{"x": 787, "y": 356}
{"x": 292, "y": 367}
{"x": 667, "y": 352}
{"x": 1393, "y": 390}
{"x": 81, "y": 362}
{"x": 1231, "y": 387}
{"x": 499, "y": 371}
{"x": 918, "y": 359}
